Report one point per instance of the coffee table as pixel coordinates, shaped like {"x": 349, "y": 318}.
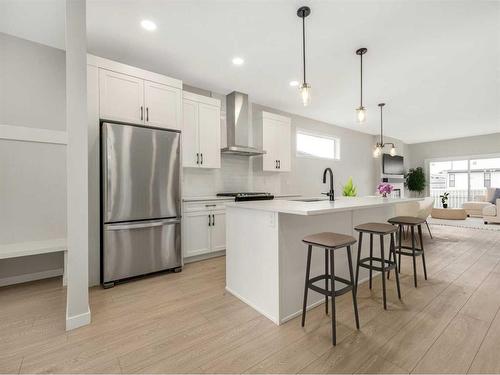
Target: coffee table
{"x": 449, "y": 213}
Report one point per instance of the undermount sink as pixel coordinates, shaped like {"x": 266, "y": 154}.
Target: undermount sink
{"x": 310, "y": 200}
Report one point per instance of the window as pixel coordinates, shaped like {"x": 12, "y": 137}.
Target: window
{"x": 317, "y": 146}
{"x": 451, "y": 182}
{"x": 487, "y": 179}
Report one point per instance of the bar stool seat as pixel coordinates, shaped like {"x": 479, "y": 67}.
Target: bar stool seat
{"x": 406, "y": 220}
{"x": 378, "y": 228}
{"x": 330, "y": 242}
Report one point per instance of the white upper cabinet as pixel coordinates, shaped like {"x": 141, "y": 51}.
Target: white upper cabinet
{"x": 162, "y": 105}
{"x": 190, "y": 144}
{"x": 137, "y": 96}
{"x": 121, "y": 97}
{"x": 209, "y": 135}
{"x": 275, "y": 132}
{"x": 201, "y": 131}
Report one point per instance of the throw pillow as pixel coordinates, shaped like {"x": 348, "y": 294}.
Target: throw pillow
{"x": 495, "y": 196}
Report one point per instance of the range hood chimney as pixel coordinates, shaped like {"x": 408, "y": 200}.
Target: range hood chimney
{"x": 238, "y": 126}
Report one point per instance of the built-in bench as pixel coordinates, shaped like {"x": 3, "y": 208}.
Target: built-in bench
{"x": 22, "y": 249}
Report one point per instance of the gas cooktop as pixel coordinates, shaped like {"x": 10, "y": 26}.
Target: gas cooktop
{"x": 247, "y": 196}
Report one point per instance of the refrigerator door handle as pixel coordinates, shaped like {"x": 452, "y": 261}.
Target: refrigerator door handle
{"x": 150, "y": 224}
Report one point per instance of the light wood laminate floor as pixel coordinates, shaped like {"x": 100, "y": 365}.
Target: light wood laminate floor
{"x": 186, "y": 322}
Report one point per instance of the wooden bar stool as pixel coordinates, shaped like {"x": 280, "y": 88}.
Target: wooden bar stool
{"x": 330, "y": 242}
{"x": 380, "y": 229}
{"x": 411, "y": 222}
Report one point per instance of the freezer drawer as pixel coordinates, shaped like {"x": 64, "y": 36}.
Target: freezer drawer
{"x": 138, "y": 248}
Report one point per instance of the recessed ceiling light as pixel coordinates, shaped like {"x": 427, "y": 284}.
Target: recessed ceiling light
{"x": 238, "y": 61}
{"x": 294, "y": 83}
{"x": 148, "y": 25}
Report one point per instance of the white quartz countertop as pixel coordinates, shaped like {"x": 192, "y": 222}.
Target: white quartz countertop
{"x": 296, "y": 207}
{"x": 216, "y": 198}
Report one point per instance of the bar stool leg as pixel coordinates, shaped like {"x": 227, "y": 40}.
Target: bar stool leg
{"x": 422, "y": 247}
{"x": 306, "y": 286}
{"x": 383, "y": 270}
{"x": 371, "y": 256}
{"x": 354, "y": 299}
{"x": 358, "y": 258}
{"x": 393, "y": 250}
{"x": 400, "y": 239}
{"x": 414, "y": 258}
{"x": 332, "y": 277}
{"x": 326, "y": 280}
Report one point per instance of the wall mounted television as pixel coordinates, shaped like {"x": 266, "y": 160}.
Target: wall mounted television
{"x": 393, "y": 164}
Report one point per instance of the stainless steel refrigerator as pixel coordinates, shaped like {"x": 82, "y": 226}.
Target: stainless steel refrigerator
{"x": 140, "y": 201}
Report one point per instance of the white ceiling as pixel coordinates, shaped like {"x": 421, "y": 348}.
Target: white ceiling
{"x": 435, "y": 63}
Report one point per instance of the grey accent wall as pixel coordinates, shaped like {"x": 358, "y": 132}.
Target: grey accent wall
{"x": 32, "y": 175}
{"x": 469, "y": 146}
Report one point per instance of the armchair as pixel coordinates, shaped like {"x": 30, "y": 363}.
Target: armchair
{"x": 421, "y": 209}
{"x": 491, "y": 213}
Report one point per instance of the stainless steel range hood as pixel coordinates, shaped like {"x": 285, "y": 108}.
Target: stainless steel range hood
{"x": 238, "y": 126}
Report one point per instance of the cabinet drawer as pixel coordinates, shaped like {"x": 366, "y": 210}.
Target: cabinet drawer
{"x": 205, "y": 206}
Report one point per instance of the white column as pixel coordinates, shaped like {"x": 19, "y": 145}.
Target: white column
{"x": 77, "y": 308}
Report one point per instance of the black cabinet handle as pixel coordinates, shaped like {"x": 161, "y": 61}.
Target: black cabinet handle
{"x": 197, "y": 158}
{"x": 142, "y": 113}
{"x": 209, "y": 220}
{"x": 279, "y": 164}
{"x": 213, "y": 220}
{"x": 276, "y": 164}
{"x": 202, "y": 158}
{"x": 147, "y": 114}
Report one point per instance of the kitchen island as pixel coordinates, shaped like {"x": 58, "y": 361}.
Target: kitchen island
{"x": 265, "y": 256}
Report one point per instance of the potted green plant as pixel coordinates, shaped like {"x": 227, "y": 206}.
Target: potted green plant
{"x": 349, "y": 190}
{"x": 444, "y": 199}
{"x": 415, "y": 180}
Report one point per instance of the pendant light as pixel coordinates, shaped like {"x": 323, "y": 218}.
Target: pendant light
{"x": 379, "y": 146}
{"x": 305, "y": 88}
{"x": 361, "y": 111}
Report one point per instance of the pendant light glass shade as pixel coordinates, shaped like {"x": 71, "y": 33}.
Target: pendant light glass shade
{"x": 361, "y": 112}
{"x": 379, "y": 146}
{"x": 305, "y": 92}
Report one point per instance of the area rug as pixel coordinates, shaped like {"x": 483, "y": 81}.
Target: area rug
{"x": 470, "y": 222}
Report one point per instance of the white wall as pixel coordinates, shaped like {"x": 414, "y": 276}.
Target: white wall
{"x": 32, "y": 175}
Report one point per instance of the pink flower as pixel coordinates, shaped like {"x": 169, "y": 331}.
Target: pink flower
{"x": 384, "y": 188}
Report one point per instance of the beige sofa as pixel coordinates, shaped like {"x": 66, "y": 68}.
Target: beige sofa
{"x": 475, "y": 208}
{"x": 484, "y": 208}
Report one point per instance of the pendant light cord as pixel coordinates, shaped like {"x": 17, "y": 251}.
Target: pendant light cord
{"x": 304, "y": 44}
{"x": 381, "y": 129}
{"x": 361, "y": 80}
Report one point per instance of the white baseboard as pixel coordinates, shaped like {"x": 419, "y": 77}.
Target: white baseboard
{"x": 76, "y": 321}
{"x": 30, "y": 277}
{"x": 197, "y": 258}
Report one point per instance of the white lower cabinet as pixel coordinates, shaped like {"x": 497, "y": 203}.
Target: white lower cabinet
{"x": 203, "y": 229}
